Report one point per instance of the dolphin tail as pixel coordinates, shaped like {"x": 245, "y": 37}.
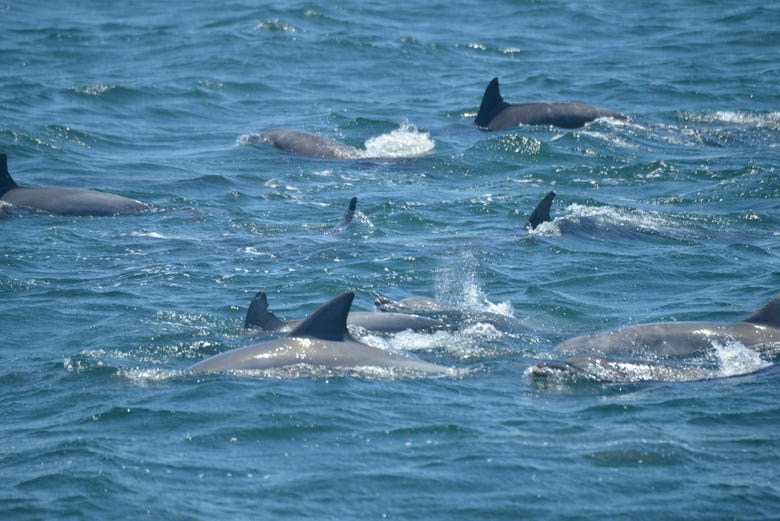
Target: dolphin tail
{"x": 259, "y": 316}
{"x": 6, "y": 181}
{"x": 492, "y": 104}
{"x": 327, "y": 322}
{"x": 768, "y": 314}
{"x": 541, "y": 213}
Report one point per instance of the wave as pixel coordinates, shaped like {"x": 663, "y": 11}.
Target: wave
{"x": 760, "y": 120}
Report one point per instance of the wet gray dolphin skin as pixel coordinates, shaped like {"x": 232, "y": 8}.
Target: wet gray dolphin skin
{"x": 453, "y": 317}
{"x": 306, "y": 144}
{"x": 321, "y": 340}
{"x": 260, "y": 316}
{"x": 63, "y": 201}
{"x": 652, "y": 343}
{"x": 496, "y": 114}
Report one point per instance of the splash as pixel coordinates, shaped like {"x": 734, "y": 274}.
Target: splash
{"x": 735, "y": 359}
{"x": 405, "y": 141}
{"x": 460, "y": 287}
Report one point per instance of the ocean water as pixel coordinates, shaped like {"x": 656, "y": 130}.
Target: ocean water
{"x": 671, "y": 215}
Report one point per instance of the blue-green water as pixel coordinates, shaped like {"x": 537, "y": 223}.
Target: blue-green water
{"x": 675, "y": 213}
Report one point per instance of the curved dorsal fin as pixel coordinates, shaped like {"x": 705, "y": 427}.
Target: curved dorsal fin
{"x": 541, "y": 213}
{"x": 258, "y": 315}
{"x": 6, "y": 181}
{"x": 349, "y": 214}
{"x": 327, "y": 322}
{"x": 768, "y": 314}
{"x": 492, "y": 104}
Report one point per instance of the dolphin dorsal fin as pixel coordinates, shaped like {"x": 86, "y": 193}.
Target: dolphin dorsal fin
{"x": 492, "y": 104}
{"x": 258, "y": 315}
{"x": 6, "y": 181}
{"x": 327, "y": 322}
{"x": 349, "y": 214}
{"x": 768, "y": 314}
{"x": 541, "y": 213}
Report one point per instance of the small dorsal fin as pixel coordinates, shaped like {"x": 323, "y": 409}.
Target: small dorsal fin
{"x": 768, "y": 314}
{"x": 258, "y": 315}
{"x": 541, "y": 213}
{"x": 327, "y": 322}
{"x": 6, "y": 181}
{"x": 349, "y": 214}
{"x": 492, "y": 104}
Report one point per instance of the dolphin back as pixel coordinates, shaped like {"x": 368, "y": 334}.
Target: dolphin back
{"x": 327, "y": 322}
{"x": 767, "y": 315}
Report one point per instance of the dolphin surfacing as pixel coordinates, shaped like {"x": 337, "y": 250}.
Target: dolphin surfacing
{"x": 453, "y": 317}
{"x": 63, "y": 201}
{"x": 259, "y": 316}
{"x": 496, "y": 114}
{"x": 320, "y": 341}
{"x": 306, "y": 144}
{"x": 603, "y": 356}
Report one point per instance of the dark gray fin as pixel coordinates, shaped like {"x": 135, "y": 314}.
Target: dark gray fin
{"x": 541, "y": 213}
{"x": 492, "y": 104}
{"x": 6, "y": 181}
{"x": 327, "y": 322}
{"x": 259, "y": 316}
{"x": 349, "y": 213}
{"x": 767, "y": 315}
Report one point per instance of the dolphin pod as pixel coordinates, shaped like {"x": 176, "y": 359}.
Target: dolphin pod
{"x": 320, "y": 341}
{"x": 643, "y": 351}
{"x": 260, "y": 316}
{"x": 496, "y": 114}
{"x": 63, "y": 201}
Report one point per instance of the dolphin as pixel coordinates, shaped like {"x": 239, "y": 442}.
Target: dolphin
{"x": 260, "y": 316}
{"x": 346, "y": 219}
{"x": 496, "y": 114}
{"x": 306, "y": 144}
{"x": 541, "y": 213}
{"x": 651, "y": 344}
{"x": 454, "y": 317}
{"x": 63, "y": 201}
{"x": 321, "y": 340}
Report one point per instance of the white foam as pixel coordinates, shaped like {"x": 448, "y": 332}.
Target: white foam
{"x": 405, "y": 141}
{"x": 735, "y": 359}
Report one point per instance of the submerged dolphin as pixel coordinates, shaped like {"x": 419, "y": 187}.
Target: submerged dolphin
{"x": 259, "y": 316}
{"x": 496, "y": 114}
{"x": 454, "y": 317}
{"x": 322, "y": 340}
{"x": 603, "y": 355}
{"x": 63, "y": 201}
{"x": 306, "y": 144}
